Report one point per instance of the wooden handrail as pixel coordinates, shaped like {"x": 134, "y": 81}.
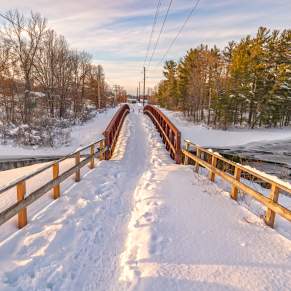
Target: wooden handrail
{"x": 23, "y": 201}
{"x": 42, "y": 169}
{"x": 171, "y": 136}
{"x": 277, "y": 186}
{"x": 258, "y": 174}
{"x": 104, "y": 147}
{"x": 112, "y": 131}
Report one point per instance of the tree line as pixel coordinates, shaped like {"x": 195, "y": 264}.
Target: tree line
{"x": 42, "y": 80}
{"x": 247, "y": 83}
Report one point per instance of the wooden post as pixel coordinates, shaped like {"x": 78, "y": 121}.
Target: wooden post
{"x": 102, "y": 148}
{"x": 56, "y": 189}
{"x": 270, "y": 214}
{"x": 234, "y": 190}
{"x": 92, "y": 154}
{"x": 107, "y": 145}
{"x": 186, "y": 159}
{"x": 198, "y": 156}
{"x": 213, "y": 163}
{"x": 22, "y": 214}
{"x": 77, "y": 161}
{"x": 167, "y": 133}
{"x": 178, "y": 148}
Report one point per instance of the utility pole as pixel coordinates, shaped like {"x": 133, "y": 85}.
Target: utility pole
{"x": 148, "y": 95}
{"x": 138, "y": 91}
{"x": 115, "y": 87}
{"x": 144, "y": 77}
{"x": 98, "y": 88}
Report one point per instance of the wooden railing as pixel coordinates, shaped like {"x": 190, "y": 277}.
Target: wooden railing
{"x": 23, "y": 200}
{"x": 239, "y": 176}
{"x": 171, "y": 136}
{"x": 112, "y": 131}
{"x": 103, "y": 147}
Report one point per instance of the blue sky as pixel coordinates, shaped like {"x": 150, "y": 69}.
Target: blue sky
{"x": 116, "y": 33}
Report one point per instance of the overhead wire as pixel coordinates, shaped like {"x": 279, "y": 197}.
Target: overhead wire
{"x": 152, "y": 31}
{"x": 160, "y": 33}
{"x": 180, "y": 30}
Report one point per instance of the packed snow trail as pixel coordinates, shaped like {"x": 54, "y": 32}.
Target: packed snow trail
{"x": 141, "y": 222}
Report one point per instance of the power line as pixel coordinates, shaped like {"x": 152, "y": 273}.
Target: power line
{"x": 153, "y": 29}
{"x": 161, "y": 30}
{"x": 181, "y": 29}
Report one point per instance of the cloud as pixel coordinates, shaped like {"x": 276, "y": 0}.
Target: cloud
{"x": 116, "y": 32}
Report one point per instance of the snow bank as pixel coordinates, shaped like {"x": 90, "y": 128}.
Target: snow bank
{"x": 185, "y": 234}
{"x": 208, "y": 137}
{"x": 141, "y": 222}
{"x": 81, "y": 135}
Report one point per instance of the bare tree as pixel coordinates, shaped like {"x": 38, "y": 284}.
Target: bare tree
{"x": 24, "y": 36}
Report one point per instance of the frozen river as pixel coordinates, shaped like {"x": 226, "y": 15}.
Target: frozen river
{"x": 271, "y": 157}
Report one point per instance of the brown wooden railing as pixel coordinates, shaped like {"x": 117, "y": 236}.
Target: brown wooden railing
{"x": 103, "y": 147}
{"x": 233, "y": 173}
{"x": 170, "y": 134}
{"x": 112, "y": 131}
{"x": 23, "y": 200}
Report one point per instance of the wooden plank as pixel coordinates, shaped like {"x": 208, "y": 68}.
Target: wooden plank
{"x": 197, "y": 160}
{"x": 102, "y": 150}
{"x": 279, "y": 209}
{"x": 118, "y": 128}
{"x": 214, "y": 163}
{"x": 22, "y": 213}
{"x": 158, "y": 125}
{"x": 234, "y": 189}
{"x": 178, "y": 152}
{"x": 186, "y": 159}
{"x": 78, "y": 171}
{"x": 270, "y": 214}
{"x": 56, "y": 188}
{"x": 257, "y": 174}
{"x": 35, "y": 195}
{"x": 38, "y": 171}
{"x": 92, "y": 155}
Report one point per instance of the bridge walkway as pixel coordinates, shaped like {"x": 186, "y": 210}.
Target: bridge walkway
{"x": 141, "y": 222}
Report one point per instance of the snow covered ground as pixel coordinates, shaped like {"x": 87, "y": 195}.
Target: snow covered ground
{"x": 141, "y": 222}
{"x": 81, "y": 135}
{"x": 215, "y": 138}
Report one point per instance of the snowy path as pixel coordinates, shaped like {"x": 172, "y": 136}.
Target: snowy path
{"x": 140, "y": 222}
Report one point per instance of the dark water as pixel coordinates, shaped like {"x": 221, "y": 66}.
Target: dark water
{"x": 17, "y": 162}
{"x": 273, "y": 157}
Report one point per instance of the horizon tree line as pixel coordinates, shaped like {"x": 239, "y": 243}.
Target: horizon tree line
{"x": 34, "y": 58}
{"x": 44, "y": 83}
{"x": 247, "y": 83}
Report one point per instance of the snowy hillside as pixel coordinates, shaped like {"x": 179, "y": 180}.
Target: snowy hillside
{"x": 208, "y": 137}
{"x": 81, "y": 135}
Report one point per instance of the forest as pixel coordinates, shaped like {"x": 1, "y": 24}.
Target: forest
{"x": 46, "y": 86}
{"x": 245, "y": 84}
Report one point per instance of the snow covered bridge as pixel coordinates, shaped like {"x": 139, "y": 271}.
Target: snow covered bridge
{"x": 139, "y": 221}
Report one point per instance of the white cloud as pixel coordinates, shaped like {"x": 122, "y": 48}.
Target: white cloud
{"x": 116, "y": 32}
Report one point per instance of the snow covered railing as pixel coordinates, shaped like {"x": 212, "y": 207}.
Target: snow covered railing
{"x": 112, "y": 131}
{"x": 233, "y": 172}
{"x": 24, "y": 200}
{"x": 170, "y": 134}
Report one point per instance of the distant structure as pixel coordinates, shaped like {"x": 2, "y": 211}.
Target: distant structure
{"x": 132, "y": 99}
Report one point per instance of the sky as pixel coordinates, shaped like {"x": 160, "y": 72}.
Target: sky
{"x": 116, "y": 32}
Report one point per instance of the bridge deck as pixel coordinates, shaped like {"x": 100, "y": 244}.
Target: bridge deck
{"x": 141, "y": 222}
